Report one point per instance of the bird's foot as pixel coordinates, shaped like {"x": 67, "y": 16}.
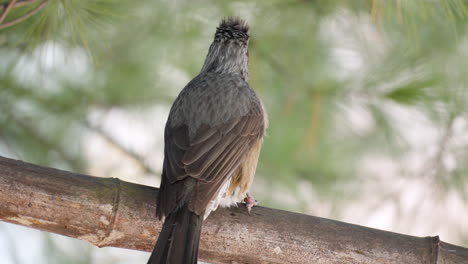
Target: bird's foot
{"x": 250, "y": 202}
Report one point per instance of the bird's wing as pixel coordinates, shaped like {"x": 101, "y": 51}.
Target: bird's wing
{"x": 209, "y": 159}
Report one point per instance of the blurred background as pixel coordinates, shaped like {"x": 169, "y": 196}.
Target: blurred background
{"x": 367, "y": 102}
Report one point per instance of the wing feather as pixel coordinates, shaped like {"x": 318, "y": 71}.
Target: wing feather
{"x": 208, "y": 159}
{"x": 197, "y": 151}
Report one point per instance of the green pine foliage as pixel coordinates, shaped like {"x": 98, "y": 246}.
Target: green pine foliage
{"x": 113, "y": 54}
{"x": 315, "y": 64}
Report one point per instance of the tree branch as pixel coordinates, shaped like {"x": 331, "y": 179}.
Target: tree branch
{"x": 7, "y": 10}
{"x": 17, "y": 4}
{"x": 24, "y": 17}
{"x": 111, "y": 212}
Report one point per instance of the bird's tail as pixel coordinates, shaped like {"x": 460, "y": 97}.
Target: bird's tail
{"x": 178, "y": 241}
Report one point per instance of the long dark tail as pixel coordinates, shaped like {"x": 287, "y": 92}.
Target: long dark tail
{"x": 178, "y": 241}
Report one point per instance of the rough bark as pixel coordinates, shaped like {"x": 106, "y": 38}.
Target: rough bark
{"x": 111, "y": 212}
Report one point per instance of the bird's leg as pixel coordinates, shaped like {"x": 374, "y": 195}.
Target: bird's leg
{"x": 250, "y": 202}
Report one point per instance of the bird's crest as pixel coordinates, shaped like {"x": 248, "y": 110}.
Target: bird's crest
{"x": 233, "y": 28}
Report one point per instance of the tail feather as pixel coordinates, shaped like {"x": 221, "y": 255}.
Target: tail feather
{"x": 179, "y": 238}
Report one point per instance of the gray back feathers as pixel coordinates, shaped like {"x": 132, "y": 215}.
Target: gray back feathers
{"x": 212, "y": 98}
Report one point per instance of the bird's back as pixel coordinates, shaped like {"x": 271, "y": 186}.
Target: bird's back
{"x": 212, "y": 98}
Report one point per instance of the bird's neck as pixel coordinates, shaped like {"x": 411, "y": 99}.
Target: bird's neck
{"x": 227, "y": 57}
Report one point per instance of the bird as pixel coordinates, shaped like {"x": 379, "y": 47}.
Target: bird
{"x": 212, "y": 141}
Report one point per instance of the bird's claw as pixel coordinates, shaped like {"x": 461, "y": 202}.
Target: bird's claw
{"x": 249, "y": 203}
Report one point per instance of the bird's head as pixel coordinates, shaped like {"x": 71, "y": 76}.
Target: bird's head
{"x": 229, "y": 51}
{"x": 233, "y": 29}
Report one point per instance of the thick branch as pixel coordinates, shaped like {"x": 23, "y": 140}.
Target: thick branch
{"x": 111, "y": 212}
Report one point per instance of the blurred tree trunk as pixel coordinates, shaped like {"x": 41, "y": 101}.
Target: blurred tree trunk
{"x": 111, "y": 212}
